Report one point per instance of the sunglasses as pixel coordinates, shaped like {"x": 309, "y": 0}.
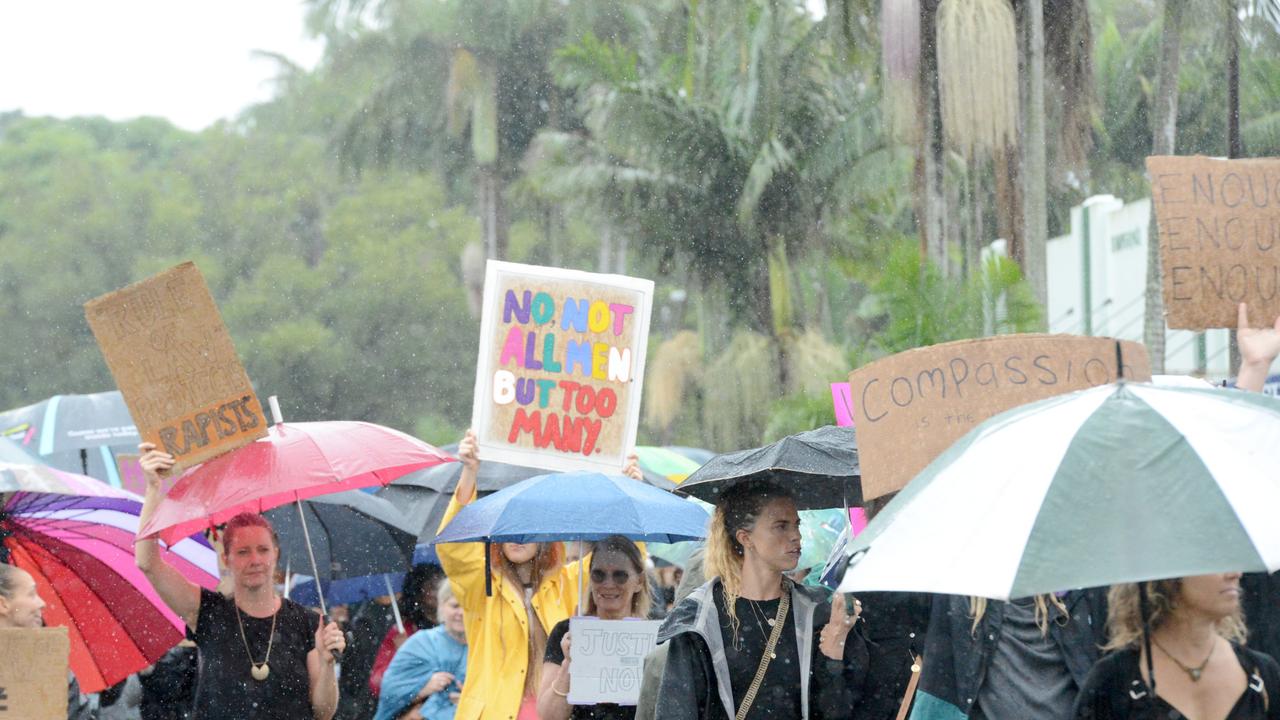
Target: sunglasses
{"x": 619, "y": 577}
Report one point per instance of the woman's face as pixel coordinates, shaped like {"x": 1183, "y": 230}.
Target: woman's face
{"x": 614, "y": 584}
{"x": 450, "y": 616}
{"x": 252, "y": 557}
{"x": 519, "y": 553}
{"x": 775, "y": 537}
{"x": 429, "y": 598}
{"x": 1216, "y": 596}
{"x": 24, "y": 608}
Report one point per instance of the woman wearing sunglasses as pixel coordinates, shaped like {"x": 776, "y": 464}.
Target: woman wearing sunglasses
{"x": 618, "y": 591}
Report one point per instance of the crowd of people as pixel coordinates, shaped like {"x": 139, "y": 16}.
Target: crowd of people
{"x": 487, "y": 637}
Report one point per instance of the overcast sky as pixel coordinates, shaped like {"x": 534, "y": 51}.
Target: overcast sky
{"x": 190, "y": 61}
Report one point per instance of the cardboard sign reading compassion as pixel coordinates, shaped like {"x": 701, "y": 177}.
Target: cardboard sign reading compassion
{"x": 1219, "y": 223}
{"x": 561, "y": 367}
{"x": 912, "y": 406}
{"x": 33, "y": 673}
{"x": 175, "y": 364}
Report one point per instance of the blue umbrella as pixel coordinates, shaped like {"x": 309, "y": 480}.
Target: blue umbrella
{"x": 583, "y": 506}
{"x": 346, "y": 591}
{"x": 577, "y": 506}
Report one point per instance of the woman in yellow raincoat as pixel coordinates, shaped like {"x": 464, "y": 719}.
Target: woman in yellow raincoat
{"x": 532, "y": 590}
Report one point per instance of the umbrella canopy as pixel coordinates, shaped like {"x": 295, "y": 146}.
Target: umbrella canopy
{"x": 577, "y": 506}
{"x": 352, "y": 533}
{"x": 490, "y": 477}
{"x": 1118, "y": 483}
{"x": 666, "y": 467}
{"x": 295, "y": 461}
{"x": 819, "y": 467}
{"x": 71, "y": 422}
{"x": 79, "y": 549}
{"x": 12, "y": 452}
{"x": 424, "y": 508}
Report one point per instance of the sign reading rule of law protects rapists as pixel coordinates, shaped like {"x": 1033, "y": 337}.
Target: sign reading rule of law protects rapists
{"x": 173, "y": 360}
{"x": 561, "y": 365}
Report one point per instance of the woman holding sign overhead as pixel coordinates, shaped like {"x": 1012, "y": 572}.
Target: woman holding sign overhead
{"x": 750, "y": 643}
{"x": 619, "y": 590}
{"x": 532, "y": 589}
{"x": 261, "y": 656}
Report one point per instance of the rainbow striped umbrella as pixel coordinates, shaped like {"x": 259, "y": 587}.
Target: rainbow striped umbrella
{"x": 75, "y": 536}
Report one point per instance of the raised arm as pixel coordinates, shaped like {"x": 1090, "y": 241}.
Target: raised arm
{"x": 1258, "y": 349}
{"x": 463, "y": 563}
{"x": 180, "y": 594}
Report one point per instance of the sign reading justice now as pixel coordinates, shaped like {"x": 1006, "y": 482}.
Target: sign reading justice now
{"x": 561, "y": 364}
{"x": 1219, "y": 223}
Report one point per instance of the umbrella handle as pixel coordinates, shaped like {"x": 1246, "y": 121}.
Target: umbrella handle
{"x": 395, "y": 606}
{"x": 324, "y": 611}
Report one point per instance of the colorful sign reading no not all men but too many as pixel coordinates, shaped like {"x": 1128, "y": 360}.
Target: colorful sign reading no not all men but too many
{"x": 560, "y": 371}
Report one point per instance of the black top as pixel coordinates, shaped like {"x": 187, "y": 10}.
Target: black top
{"x": 779, "y": 694}
{"x": 225, "y": 689}
{"x": 1115, "y": 690}
{"x": 602, "y": 711}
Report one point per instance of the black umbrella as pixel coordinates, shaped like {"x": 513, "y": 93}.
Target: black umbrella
{"x": 76, "y": 433}
{"x": 422, "y": 507}
{"x": 819, "y": 467}
{"x": 353, "y": 533}
{"x": 443, "y": 478}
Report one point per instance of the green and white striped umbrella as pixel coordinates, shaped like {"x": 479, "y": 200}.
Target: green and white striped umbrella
{"x": 1119, "y": 483}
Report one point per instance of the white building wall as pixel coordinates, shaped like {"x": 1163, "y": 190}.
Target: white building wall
{"x": 1116, "y": 284}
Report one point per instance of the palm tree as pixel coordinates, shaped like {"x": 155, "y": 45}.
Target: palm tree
{"x": 729, "y": 167}
{"x": 465, "y": 87}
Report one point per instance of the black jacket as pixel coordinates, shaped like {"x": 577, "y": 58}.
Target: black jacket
{"x": 896, "y": 626}
{"x": 1260, "y": 599}
{"x": 695, "y": 682}
{"x": 956, "y": 656}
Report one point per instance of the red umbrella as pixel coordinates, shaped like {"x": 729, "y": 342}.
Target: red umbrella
{"x": 295, "y": 461}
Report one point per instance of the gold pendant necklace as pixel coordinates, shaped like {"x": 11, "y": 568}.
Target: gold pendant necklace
{"x": 259, "y": 671}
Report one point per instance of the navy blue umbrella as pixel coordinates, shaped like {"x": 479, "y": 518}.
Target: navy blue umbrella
{"x": 577, "y": 506}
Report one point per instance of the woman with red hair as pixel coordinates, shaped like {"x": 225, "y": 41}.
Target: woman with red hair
{"x": 261, "y": 656}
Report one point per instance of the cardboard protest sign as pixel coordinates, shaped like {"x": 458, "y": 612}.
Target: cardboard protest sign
{"x": 33, "y": 673}
{"x": 561, "y": 367}
{"x": 1219, "y": 224}
{"x": 608, "y": 657}
{"x": 843, "y": 403}
{"x": 912, "y": 406}
{"x": 176, "y": 366}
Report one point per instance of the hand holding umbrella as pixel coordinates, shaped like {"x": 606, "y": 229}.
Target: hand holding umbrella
{"x": 330, "y": 642}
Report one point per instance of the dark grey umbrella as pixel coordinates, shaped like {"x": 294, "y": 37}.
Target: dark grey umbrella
{"x": 444, "y": 478}
{"x": 353, "y": 533}
{"x": 819, "y": 467}
{"x": 76, "y": 433}
{"x": 424, "y": 508}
